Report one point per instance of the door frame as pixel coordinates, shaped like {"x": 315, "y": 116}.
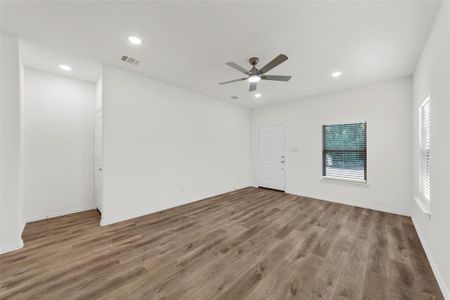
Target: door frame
{"x": 98, "y": 204}
{"x": 258, "y": 159}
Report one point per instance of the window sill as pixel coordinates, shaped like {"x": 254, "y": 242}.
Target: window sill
{"x": 424, "y": 205}
{"x": 354, "y": 181}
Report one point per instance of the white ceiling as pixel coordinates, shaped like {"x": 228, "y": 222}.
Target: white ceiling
{"x": 47, "y": 60}
{"x": 187, "y": 43}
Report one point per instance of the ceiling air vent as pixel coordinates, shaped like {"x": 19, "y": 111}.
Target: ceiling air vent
{"x": 130, "y": 60}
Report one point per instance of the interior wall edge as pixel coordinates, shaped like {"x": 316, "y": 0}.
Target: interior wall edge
{"x": 439, "y": 278}
{"x": 21, "y": 138}
{"x": 10, "y": 159}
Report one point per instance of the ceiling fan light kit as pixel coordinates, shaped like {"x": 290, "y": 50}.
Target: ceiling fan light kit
{"x": 254, "y": 78}
{"x": 254, "y": 75}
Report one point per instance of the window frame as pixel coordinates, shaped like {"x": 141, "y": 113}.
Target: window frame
{"x": 324, "y": 151}
{"x": 423, "y": 152}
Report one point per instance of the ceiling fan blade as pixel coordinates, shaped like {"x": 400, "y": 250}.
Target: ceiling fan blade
{"x": 272, "y": 64}
{"x": 237, "y": 67}
{"x": 252, "y": 86}
{"x": 276, "y": 77}
{"x": 231, "y": 81}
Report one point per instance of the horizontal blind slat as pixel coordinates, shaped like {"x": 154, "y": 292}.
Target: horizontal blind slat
{"x": 344, "y": 152}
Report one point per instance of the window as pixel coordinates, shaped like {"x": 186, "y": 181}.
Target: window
{"x": 344, "y": 154}
{"x": 425, "y": 148}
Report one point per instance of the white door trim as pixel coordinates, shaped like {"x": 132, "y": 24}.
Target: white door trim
{"x": 99, "y": 159}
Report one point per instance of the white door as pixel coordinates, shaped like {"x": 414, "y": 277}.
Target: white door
{"x": 271, "y": 159}
{"x": 99, "y": 160}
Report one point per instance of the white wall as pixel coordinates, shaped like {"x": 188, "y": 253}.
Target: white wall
{"x": 387, "y": 109}
{"x": 432, "y": 76}
{"x": 99, "y": 93}
{"x": 165, "y": 146}
{"x": 10, "y": 209}
{"x": 58, "y": 145}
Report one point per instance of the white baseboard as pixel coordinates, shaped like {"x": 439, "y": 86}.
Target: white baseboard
{"x": 11, "y": 247}
{"x": 59, "y": 213}
{"x": 434, "y": 267}
{"x": 104, "y": 221}
{"x": 373, "y": 207}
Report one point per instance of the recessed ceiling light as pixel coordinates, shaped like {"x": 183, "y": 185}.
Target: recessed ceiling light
{"x": 257, "y": 95}
{"x": 65, "y": 67}
{"x": 135, "y": 40}
{"x": 254, "y": 78}
{"x": 336, "y": 74}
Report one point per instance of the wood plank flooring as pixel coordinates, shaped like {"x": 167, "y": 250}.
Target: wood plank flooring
{"x": 248, "y": 244}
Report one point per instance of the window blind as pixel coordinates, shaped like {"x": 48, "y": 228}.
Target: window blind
{"x": 425, "y": 147}
{"x": 345, "y": 151}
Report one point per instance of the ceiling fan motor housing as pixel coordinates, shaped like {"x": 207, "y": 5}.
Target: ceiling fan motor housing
{"x": 253, "y": 61}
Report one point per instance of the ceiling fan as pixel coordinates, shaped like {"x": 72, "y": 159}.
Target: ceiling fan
{"x": 254, "y": 75}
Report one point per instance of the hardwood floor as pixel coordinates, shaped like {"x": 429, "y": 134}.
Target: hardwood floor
{"x": 252, "y": 244}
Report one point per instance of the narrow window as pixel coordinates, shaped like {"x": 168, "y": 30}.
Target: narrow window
{"x": 425, "y": 148}
{"x": 344, "y": 154}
